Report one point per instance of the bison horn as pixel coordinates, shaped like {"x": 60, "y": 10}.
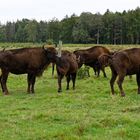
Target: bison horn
{"x": 78, "y": 58}
{"x": 43, "y": 47}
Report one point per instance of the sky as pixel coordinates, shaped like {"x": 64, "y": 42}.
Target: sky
{"x": 13, "y": 10}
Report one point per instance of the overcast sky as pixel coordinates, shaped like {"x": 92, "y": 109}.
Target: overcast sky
{"x": 11, "y": 10}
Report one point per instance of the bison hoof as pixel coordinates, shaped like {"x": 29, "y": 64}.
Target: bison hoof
{"x": 6, "y": 94}
{"x": 123, "y": 95}
{"x": 59, "y": 90}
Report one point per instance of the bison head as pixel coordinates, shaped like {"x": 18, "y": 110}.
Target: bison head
{"x": 79, "y": 58}
{"x": 51, "y": 53}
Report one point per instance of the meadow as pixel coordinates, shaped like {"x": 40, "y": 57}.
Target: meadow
{"x": 89, "y": 112}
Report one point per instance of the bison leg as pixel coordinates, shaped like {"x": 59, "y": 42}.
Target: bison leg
{"x": 29, "y": 82}
{"x": 73, "y": 79}
{"x": 98, "y": 72}
{"x": 68, "y": 81}
{"x": 120, "y": 81}
{"x": 113, "y": 78}
{"x": 3, "y": 82}
{"x": 33, "y": 83}
{"x": 53, "y": 65}
{"x": 138, "y": 82}
{"x": 60, "y": 76}
{"x": 94, "y": 69}
{"x": 103, "y": 70}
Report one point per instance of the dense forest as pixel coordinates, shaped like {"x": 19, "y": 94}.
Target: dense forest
{"x": 109, "y": 28}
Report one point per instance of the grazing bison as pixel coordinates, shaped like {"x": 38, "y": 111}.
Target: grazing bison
{"x": 66, "y": 65}
{"x": 32, "y": 61}
{"x": 122, "y": 63}
{"x": 90, "y": 56}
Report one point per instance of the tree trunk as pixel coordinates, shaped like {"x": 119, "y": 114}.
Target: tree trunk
{"x": 98, "y": 36}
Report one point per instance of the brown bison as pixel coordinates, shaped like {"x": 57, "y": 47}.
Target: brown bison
{"x": 122, "y": 63}
{"x": 66, "y": 65}
{"x": 32, "y": 61}
{"x": 90, "y": 56}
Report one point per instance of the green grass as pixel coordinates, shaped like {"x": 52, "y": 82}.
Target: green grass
{"x": 89, "y": 112}
{"x": 65, "y": 46}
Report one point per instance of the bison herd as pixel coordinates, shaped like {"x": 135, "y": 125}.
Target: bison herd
{"x": 33, "y": 61}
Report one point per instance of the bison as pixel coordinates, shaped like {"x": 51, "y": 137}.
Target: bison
{"x": 66, "y": 65}
{"x": 90, "y": 56}
{"x": 32, "y": 61}
{"x": 122, "y": 63}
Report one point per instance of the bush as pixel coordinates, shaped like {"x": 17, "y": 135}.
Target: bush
{"x": 83, "y": 72}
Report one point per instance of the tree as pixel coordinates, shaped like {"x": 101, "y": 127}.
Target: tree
{"x": 42, "y": 32}
{"x": 80, "y": 35}
{"x": 10, "y": 31}
{"x": 21, "y": 33}
{"x": 136, "y": 26}
{"x": 97, "y": 27}
{"x": 2, "y": 34}
{"x": 32, "y": 31}
{"x": 53, "y": 30}
{"x": 109, "y": 28}
{"x": 67, "y": 24}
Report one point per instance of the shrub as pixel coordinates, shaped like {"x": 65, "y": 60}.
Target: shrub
{"x": 83, "y": 72}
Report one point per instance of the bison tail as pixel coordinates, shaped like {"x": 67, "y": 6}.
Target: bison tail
{"x": 104, "y": 59}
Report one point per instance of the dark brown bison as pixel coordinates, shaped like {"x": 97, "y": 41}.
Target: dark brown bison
{"x": 66, "y": 65}
{"x": 122, "y": 63}
{"x": 32, "y": 61}
{"x": 90, "y": 56}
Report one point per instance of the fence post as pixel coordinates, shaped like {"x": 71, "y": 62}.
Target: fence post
{"x": 59, "y": 48}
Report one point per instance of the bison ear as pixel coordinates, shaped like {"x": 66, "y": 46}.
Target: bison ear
{"x": 78, "y": 59}
{"x": 3, "y": 50}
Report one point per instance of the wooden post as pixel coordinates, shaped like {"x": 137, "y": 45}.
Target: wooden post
{"x": 59, "y": 48}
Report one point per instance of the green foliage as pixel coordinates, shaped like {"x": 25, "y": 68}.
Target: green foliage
{"x": 2, "y": 34}
{"x": 32, "y": 31}
{"x": 67, "y": 25}
{"x": 21, "y": 32}
{"x": 10, "y": 32}
{"x": 80, "y": 35}
{"x": 53, "y": 30}
{"x": 83, "y": 72}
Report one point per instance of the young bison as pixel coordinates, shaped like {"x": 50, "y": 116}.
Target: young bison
{"x": 66, "y": 65}
{"x": 122, "y": 63}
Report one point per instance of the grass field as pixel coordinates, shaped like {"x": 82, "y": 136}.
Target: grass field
{"x": 89, "y": 112}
